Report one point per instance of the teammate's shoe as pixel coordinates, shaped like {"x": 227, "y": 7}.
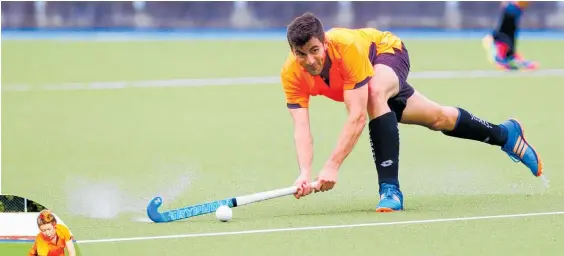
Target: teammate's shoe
{"x": 518, "y": 149}
{"x": 524, "y": 64}
{"x": 497, "y": 55}
{"x": 391, "y": 198}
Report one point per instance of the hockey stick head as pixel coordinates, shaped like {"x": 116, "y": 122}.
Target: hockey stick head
{"x": 185, "y": 212}
{"x": 153, "y": 210}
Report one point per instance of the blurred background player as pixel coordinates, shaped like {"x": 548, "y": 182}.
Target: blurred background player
{"x": 53, "y": 237}
{"x": 501, "y": 45}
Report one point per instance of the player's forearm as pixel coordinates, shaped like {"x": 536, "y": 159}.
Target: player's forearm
{"x": 304, "y": 150}
{"x": 70, "y": 248}
{"x": 347, "y": 140}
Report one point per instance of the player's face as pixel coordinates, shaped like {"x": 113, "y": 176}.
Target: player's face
{"x": 48, "y": 230}
{"x": 311, "y": 56}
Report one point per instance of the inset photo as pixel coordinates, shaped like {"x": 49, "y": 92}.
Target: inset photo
{"x": 29, "y": 228}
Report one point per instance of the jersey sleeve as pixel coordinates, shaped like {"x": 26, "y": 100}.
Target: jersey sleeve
{"x": 357, "y": 67}
{"x": 65, "y": 232}
{"x": 296, "y": 95}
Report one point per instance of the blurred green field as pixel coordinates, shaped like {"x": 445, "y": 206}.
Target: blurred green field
{"x": 235, "y": 140}
{"x": 15, "y": 248}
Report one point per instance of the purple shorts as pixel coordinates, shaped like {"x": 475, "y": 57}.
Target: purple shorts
{"x": 399, "y": 62}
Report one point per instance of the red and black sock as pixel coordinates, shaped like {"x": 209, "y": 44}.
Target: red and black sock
{"x": 508, "y": 24}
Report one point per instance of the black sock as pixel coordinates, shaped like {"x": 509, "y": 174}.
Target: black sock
{"x": 507, "y": 28}
{"x": 471, "y": 127}
{"x": 384, "y": 139}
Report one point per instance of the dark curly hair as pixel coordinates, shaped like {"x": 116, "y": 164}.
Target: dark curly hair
{"x": 303, "y": 28}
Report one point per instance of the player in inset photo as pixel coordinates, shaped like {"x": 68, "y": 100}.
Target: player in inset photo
{"x": 53, "y": 237}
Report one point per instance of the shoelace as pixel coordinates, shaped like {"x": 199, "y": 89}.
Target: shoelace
{"x": 388, "y": 193}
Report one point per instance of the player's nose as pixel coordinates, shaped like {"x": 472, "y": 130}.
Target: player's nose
{"x": 310, "y": 59}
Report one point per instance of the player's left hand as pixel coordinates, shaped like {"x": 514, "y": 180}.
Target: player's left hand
{"x": 327, "y": 179}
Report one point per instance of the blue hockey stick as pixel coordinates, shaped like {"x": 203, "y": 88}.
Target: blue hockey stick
{"x": 210, "y": 207}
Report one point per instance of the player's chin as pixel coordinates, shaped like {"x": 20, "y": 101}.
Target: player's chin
{"x": 314, "y": 72}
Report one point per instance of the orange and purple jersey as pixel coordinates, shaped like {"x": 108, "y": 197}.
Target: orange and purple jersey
{"x": 521, "y": 4}
{"x": 351, "y": 55}
{"x": 43, "y": 247}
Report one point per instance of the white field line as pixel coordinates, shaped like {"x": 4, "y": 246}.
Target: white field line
{"x": 260, "y": 80}
{"x": 262, "y": 231}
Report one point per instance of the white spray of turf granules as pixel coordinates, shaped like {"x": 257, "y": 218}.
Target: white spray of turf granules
{"x": 107, "y": 200}
{"x": 545, "y": 180}
{"x": 94, "y": 199}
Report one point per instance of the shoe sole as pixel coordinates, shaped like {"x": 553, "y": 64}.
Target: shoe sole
{"x": 539, "y": 166}
{"x": 383, "y": 209}
{"x": 532, "y": 67}
{"x": 386, "y": 209}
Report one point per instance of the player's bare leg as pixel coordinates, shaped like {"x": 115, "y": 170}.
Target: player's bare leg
{"x": 422, "y": 111}
{"x": 459, "y": 123}
{"x": 384, "y": 137}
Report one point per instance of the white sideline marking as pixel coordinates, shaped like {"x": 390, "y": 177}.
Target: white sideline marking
{"x": 259, "y": 231}
{"x": 260, "y": 80}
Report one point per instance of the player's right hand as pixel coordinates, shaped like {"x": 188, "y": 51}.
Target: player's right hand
{"x": 303, "y": 186}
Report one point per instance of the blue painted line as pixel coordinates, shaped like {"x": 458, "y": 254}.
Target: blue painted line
{"x": 231, "y": 30}
{"x": 15, "y": 241}
{"x": 231, "y": 34}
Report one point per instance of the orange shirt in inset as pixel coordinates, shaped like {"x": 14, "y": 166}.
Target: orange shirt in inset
{"x": 42, "y": 247}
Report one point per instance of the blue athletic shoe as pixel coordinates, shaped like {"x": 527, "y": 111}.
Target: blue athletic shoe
{"x": 518, "y": 149}
{"x": 391, "y": 198}
{"x": 496, "y": 54}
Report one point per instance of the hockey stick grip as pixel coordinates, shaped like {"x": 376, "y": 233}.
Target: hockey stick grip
{"x": 261, "y": 196}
